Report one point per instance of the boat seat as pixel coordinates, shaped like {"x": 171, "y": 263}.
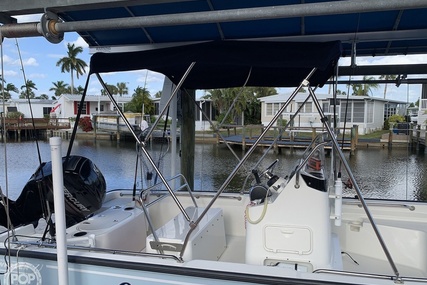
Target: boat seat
{"x": 207, "y": 241}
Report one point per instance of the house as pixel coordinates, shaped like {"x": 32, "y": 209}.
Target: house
{"x": 40, "y": 108}
{"x": 201, "y": 122}
{"x": 422, "y": 112}
{"x": 368, "y": 113}
{"x": 67, "y": 105}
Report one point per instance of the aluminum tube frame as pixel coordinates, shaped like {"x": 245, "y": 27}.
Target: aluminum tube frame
{"x": 353, "y": 180}
{"x": 194, "y": 224}
{"x": 175, "y": 91}
{"x": 246, "y": 14}
{"x": 147, "y": 155}
{"x": 234, "y": 15}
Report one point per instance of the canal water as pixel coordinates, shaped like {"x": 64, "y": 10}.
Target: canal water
{"x": 381, "y": 173}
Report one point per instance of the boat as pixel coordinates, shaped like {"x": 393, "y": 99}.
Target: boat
{"x": 286, "y": 228}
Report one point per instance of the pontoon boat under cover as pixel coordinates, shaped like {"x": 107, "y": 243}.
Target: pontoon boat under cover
{"x": 223, "y": 64}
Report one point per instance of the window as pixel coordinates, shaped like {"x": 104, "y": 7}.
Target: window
{"x": 358, "y": 112}
{"x": 389, "y": 110}
{"x": 325, "y": 107}
{"x": 308, "y": 107}
{"x": 344, "y": 108}
{"x": 276, "y": 108}
{"x": 269, "y": 110}
{"x": 46, "y": 110}
{"x": 85, "y": 108}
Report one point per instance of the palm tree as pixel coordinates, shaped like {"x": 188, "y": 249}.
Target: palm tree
{"x": 387, "y": 77}
{"x": 60, "y": 87}
{"x": 79, "y": 90}
{"x": 122, "y": 88}
{"x": 222, "y": 99}
{"x": 263, "y": 91}
{"x": 365, "y": 88}
{"x": 112, "y": 88}
{"x": 71, "y": 63}
{"x": 140, "y": 97}
{"x": 9, "y": 88}
{"x": 28, "y": 90}
{"x": 43, "y": 96}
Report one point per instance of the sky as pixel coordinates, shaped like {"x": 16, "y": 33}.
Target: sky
{"x": 39, "y": 58}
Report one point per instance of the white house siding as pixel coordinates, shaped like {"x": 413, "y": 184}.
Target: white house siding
{"x": 67, "y": 105}
{"x": 308, "y": 117}
{"x": 422, "y": 111}
{"x": 364, "y": 111}
{"x": 39, "y": 107}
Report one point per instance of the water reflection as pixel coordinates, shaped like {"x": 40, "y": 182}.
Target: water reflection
{"x": 395, "y": 174}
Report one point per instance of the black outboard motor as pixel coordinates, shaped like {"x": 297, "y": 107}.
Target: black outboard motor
{"x": 84, "y": 191}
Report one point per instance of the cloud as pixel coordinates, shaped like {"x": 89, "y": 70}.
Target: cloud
{"x": 7, "y": 59}
{"x": 11, "y": 73}
{"x": 28, "y": 18}
{"x": 150, "y": 77}
{"x": 79, "y": 42}
{"x": 30, "y": 62}
{"x": 37, "y": 75}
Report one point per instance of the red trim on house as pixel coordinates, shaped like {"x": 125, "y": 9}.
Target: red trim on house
{"x": 76, "y": 108}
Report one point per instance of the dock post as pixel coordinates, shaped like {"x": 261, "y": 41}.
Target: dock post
{"x": 95, "y": 126}
{"x": 118, "y": 129}
{"x": 291, "y": 139}
{"x": 390, "y": 139}
{"x": 353, "y": 137}
{"x": 418, "y": 137}
{"x": 243, "y": 138}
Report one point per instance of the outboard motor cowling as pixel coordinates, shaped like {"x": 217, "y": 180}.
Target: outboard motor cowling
{"x": 84, "y": 191}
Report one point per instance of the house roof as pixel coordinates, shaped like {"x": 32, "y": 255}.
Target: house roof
{"x": 93, "y": 98}
{"x": 300, "y": 97}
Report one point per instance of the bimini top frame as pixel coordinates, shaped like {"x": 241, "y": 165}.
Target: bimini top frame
{"x": 223, "y": 64}
{"x": 226, "y": 64}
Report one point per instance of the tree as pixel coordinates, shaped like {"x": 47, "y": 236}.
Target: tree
{"x": 59, "y": 87}
{"x": 71, "y": 63}
{"x": 43, "y": 96}
{"x": 339, "y": 92}
{"x": 79, "y": 90}
{"x": 158, "y": 94}
{"x": 28, "y": 90}
{"x": 223, "y": 99}
{"x": 122, "y": 88}
{"x": 263, "y": 91}
{"x": 9, "y": 88}
{"x": 140, "y": 97}
{"x": 387, "y": 77}
{"x": 112, "y": 88}
{"x": 365, "y": 88}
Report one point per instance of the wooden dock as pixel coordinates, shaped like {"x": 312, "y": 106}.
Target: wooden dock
{"x": 291, "y": 138}
{"x": 28, "y": 127}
